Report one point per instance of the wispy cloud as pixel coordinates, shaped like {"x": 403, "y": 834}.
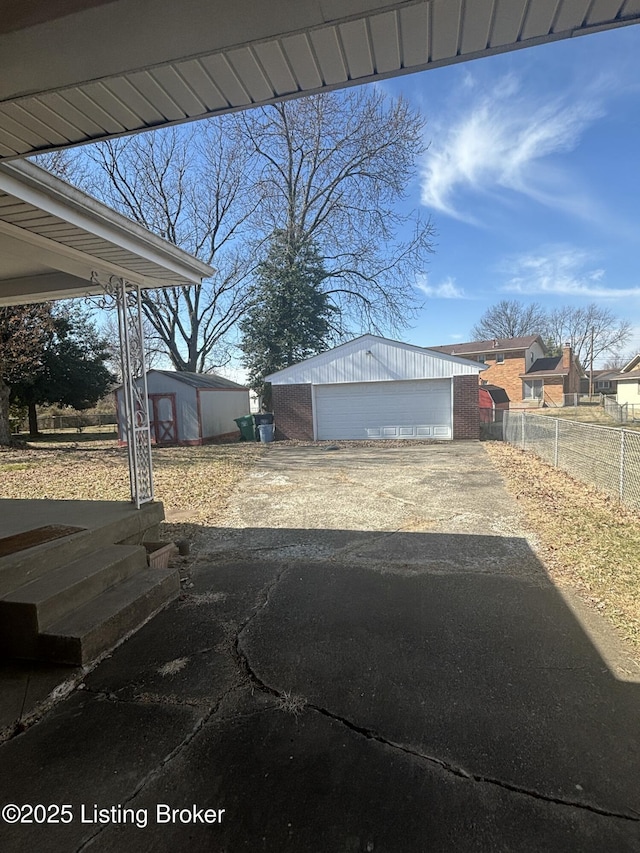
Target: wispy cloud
{"x": 446, "y": 289}
{"x": 499, "y": 140}
{"x": 561, "y": 271}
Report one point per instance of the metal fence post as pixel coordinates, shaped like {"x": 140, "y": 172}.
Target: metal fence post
{"x": 622, "y": 435}
{"x": 555, "y": 449}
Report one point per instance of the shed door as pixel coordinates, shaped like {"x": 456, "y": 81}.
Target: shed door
{"x": 392, "y": 410}
{"x": 162, "y": 409}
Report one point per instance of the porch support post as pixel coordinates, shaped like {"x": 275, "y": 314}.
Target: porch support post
{"x": 128, "y": 300}
{"x": 137, "y": 428}
{"x": 136, "y": 401}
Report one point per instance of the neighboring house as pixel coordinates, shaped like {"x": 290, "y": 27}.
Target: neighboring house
{"x": 375, "y": 388}
{"x": 504, "y": 359}
{"x": 603, "y": 382}
{"x": 190, "y": 408}
{"x": 628, "y": 383}
{"x": 520, "y": 367}
{"x": 549, "y": 380}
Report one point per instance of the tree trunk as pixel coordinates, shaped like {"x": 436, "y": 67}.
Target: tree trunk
{"x": 5, "y": 428}
{"x": 33, "y": 420}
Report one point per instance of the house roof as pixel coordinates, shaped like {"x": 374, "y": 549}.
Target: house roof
{"x": 494, "y": 345}
{"x": 371, "y": 358}
{"x": 201, "y": 380}
{"x": 603, "y": 374}
{"x": 631, "y": 365}
{"x": 57, "y": 242}
{"x": 626, "y": 377}
{"x": 631, "y": 370}
{"x": 546, "y": 367}
{"x": 74, "y": 71}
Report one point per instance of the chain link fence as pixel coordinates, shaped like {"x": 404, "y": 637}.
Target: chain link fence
{"x": 605, "y": 457}
{"x": 622, "y": 412}
{"x": 78, "y": 421}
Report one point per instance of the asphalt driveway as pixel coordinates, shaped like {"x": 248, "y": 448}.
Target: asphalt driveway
{"x": 371, "y": 658}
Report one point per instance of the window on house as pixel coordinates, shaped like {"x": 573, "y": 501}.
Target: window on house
{"x": 603, "y": 385}
{"x": 530, "y": 358}
{"x": 499, "y": 358}
{"x": 532, "y": 389}
{"x": 481, "y": 358}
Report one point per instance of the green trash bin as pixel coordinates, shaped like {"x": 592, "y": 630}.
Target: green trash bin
{"x": 245, "y": 425}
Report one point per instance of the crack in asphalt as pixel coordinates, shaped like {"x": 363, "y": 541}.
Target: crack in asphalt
{"x": 242, "y": 659}
{"x": 157, "y": 770}
{"x": 265, "y": 594}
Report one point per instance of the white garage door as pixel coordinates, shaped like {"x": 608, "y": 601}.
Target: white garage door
{"x": 410, "y": 409}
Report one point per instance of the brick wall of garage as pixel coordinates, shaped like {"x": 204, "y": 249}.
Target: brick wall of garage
{"x": 292, "y": 409}
{"x": 466, "y": 418}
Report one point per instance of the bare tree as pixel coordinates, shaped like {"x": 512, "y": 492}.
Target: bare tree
{"x": 191, "y": 187}
{"x": 332, "y": 170}
{"x": 617, "y": 360}
{"x": 592, "y": 331}
{"x": 511, "y": 319}
{"x": 68, "y": 166}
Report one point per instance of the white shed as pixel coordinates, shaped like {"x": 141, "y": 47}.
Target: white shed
{"x": 377, "y": 388}
{"x": 190, "y": 408}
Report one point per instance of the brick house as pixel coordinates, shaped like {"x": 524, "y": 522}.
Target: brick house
{"x": 550, "y": 380}
{"x": 522, "y": 368}
{"x": 505, "y": 360}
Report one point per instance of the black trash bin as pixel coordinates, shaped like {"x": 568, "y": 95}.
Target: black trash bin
{"x": 262, "y": 418}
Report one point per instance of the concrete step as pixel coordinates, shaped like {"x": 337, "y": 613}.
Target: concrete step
{"x": 98, "y": 625}
{"x": 105, "y": 523}
{"x": 27, "y": 610}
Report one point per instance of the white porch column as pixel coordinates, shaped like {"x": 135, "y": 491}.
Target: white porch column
{"x": 134, "y": 379}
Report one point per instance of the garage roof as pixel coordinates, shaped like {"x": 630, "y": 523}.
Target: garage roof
{"x": 74, "y": 71}
{"x": 371, "y": 358}
{"x": 54, "y": 237}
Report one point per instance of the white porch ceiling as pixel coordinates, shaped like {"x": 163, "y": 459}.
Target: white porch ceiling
{"x": 53, "y": 238}
{"x": 83, "y": 70}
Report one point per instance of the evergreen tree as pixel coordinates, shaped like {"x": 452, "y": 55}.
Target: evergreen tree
{"x": 25, "y": 331}
{"x": 290, "y": 317}
{"x": 71, "y": 370}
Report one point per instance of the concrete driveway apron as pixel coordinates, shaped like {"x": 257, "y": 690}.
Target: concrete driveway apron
{"x": 374, "y": 660}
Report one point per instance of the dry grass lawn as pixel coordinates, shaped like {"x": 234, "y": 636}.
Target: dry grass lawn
{"x": 588, "y": 542}
{"x": 194, "y": 483}
{"x": 586, "y": 414}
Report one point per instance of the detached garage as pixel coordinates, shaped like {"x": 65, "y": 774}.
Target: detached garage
{"x": 189, "y": 408}
{"x": 375, "y": 388}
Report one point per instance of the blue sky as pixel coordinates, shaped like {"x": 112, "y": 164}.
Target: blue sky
{"x": 532, "y": 178}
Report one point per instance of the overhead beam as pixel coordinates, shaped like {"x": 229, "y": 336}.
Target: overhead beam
{"x": 43, "y": 288}
{"x": 72, "y": 261}
{"x": 37, "y": 187}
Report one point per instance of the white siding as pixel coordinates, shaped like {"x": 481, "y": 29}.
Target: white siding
{"x": 533, "y": 353}
{"x": 398, "y": 410}
{"x": 628, "y": 390}
{"x": 374, "y": 359}
{"x": 186, "y": 403}
{"x": 219, "y": 408}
